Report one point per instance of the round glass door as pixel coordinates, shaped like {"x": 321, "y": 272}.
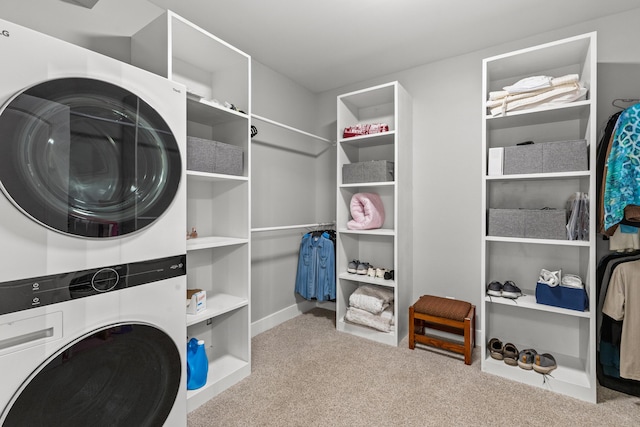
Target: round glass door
{"x": 87, "y": 158}
{"x": 124, "y": 375}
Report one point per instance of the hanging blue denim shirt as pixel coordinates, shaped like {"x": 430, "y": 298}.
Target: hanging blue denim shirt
{"x": 316, "y": 277}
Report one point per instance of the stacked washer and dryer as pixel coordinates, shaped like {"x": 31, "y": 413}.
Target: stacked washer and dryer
{"x": 92, "y": 243}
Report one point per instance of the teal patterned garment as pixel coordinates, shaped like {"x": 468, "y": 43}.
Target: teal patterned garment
{"x": 622, "y": 186}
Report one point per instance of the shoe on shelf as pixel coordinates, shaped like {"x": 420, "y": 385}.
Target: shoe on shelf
{"x": 494, "y": 289}
{"x": 510, "y": 354}
{"x": 353, "y": 266}
{"x": 544, "y": 363}
{"x": 371, "y": 272}
{"x": 363, "y": 268}
{"x": 389, "y": 274}
{"x": 495, "y": 349}
{"x": 526, "y": 358}
{"x": 510, "y": 290}
{"x": 380, "y": 272}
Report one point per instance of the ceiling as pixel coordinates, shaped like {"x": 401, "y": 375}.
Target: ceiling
{"x": 325, "y": 44}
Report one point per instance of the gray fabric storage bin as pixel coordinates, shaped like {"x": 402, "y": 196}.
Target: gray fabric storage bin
{"x": 528, "y": 223}
{"x": 546, "y": 224}
{"x": 546, "y": 157}
{"x": 506, "y": 223}
{"x": 371, "y": 171}
{"x": 522, "y": 159}
{"x": 564, "y": 156}
{"x": 205, "y": 155}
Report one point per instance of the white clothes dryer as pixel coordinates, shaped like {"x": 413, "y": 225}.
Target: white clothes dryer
{"x": 93, "y": 214}
{"x": 91, "y": 159}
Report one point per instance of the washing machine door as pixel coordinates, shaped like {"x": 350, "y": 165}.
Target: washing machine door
{"x": 87, "y": 158}
{"x": 122, "y": 375}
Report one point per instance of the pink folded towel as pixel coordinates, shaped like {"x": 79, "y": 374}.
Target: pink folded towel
{"x": 367, "y": 211}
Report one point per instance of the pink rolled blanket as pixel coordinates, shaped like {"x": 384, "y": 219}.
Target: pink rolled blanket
{"x": 367, "y": 211}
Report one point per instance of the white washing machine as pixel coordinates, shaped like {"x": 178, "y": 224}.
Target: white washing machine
{"x": 105, "y": 347}
{"x": 93, "y": 213}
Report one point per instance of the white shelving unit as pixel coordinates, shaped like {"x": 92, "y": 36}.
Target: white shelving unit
{"x": 569, "y": 335}
{"x": 388, "y": 247}
{"x": 218, "y": 205}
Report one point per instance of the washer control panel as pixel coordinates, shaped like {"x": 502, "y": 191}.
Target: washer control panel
{"x": 18, "y": 295}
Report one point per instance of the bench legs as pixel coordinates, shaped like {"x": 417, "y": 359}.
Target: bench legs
{"x": 465, "y": 328}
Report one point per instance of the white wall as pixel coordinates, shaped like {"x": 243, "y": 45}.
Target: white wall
{"x": 447, "y": 151}
{"x": 289, "y": 186}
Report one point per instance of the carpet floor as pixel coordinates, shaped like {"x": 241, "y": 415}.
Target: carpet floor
{"x": 306, "y": 373}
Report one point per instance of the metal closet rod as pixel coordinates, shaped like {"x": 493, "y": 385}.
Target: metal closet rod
{"x": 273, "y": 122}
{"x": 290, "y": 227}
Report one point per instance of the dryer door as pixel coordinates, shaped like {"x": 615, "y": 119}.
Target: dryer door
{"x": 87, "y": 158}
{"x": 125, "y": 375}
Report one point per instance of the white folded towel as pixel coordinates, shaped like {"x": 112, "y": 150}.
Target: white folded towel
{"x": 529, "y": 83}
{"x": 554, "y": 82}
{"x": 382, "y": 322}
{"x": 373, "y": 299}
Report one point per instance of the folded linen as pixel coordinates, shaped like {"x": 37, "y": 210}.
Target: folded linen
{"x": 373, "y": 299}
{"x": 555, "y": 82}
{"x": 382, "y": 322}
{"x": 528, "y": 84}
{"x": 558, "y": 95}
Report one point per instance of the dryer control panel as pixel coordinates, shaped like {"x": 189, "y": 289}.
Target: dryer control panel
{"x": 35, "y": 292}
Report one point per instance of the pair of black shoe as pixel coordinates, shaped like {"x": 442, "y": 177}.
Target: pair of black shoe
{"x": 506, "y": 290}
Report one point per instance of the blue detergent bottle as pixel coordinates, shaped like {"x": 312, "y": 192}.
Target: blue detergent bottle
{"x": 197, "y": 364}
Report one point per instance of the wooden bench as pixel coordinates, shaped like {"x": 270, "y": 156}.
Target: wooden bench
{"x": 444, "y": 314}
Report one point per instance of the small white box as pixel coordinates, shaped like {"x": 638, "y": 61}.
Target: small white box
{"x": 496, "y": 158}
{"x": 196, "y": 301}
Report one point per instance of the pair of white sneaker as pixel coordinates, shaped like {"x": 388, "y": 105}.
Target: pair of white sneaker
{"x": 556, "y": 278}
{"x": 376, "y": 272}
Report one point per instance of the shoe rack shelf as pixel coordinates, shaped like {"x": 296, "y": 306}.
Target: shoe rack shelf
{"x": 388, "y": 247}
{"x": 218, "y": 205}
{"x": 390, "y": 283}
{"x": 568, "y": 335}
{"x": 528, "y": 300}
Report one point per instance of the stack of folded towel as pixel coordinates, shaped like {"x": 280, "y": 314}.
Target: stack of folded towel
{"x": 536, "y": 91}
{"x": 371, "y": 306}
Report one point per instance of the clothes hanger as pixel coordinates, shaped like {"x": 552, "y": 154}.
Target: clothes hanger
{"x": 627, "y": 100}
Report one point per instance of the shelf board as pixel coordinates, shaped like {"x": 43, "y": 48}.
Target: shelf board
{"x": 223, "y": 372}
{"x": 217, "y": 305}
{"x": 376, "y": 95}
{"x": 538, "y": 176}
{"x": 550, "y": 114}
{"x": 368, "y": 184}
{"x": 528, "y": 300}
{"x": 213, "y": 242}
{"x": 363, "y": 278}
{"x": 557, "y": 242}
{"x": 375, "y": 232}
{"x": 200, "y": 110}
{"x": 560, "y": 53}
{"x": 370, "y": 140}
{"x": 207, "y": 176}
{"x": 570, "y": 377}
{"x": 388, "y": 338}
